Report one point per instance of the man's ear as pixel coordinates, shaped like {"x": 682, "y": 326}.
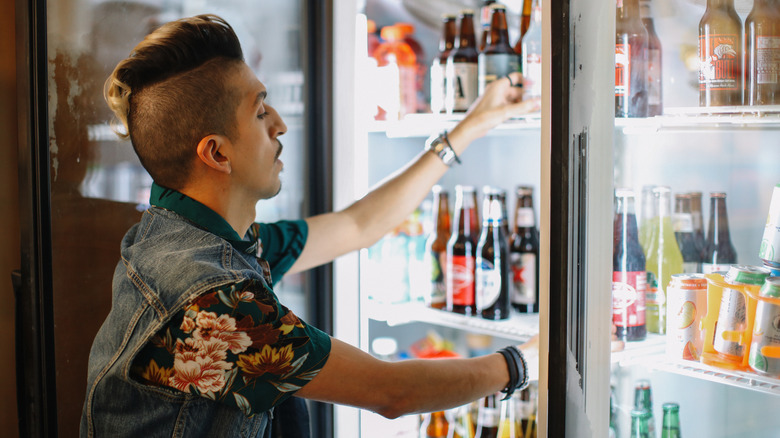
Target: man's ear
{"x": 211, "y": 151}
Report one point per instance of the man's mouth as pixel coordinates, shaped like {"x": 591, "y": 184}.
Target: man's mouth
{"x": 279, "y": 151}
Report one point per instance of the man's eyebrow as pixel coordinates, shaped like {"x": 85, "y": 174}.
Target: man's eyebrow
{"x": 260, "y": 97}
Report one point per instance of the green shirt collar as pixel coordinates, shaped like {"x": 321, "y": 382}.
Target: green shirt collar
{"x": 200, "y": 214}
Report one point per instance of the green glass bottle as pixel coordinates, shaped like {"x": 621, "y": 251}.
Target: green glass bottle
{"x": 671, "y": 422}
{"x": 640, "y": 424}
{"x": 643, "y": 401}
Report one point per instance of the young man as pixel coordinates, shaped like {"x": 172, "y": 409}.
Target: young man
{"x": 196, "y": 343}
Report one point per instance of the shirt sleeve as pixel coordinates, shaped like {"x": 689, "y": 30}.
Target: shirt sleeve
{"x": 282, "y": 243}
{"x": 235, "y": 345}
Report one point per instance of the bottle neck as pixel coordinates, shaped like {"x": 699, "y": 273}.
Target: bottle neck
{"x": 466, "y": 34}
{"x": 447, "y": 41}
{"x": 719, "y": 221}
{"x": 627, "y": 9}
{"x": 498, "y": 36}
{"x": 720, "y": 4}
{"x": 465, "y": 206}
{"x": 442, "y": 214}
{"x": 536, "y": 12}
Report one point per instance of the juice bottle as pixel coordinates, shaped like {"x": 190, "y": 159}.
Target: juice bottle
{"x": 399, "y": 62}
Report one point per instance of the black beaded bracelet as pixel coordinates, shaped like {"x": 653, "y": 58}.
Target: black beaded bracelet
{"x": 518, "y": 370}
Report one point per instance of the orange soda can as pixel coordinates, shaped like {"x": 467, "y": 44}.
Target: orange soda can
{"x": 686, "y": 305}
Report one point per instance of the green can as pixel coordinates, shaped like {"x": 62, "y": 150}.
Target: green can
{"x": 765, "y": 345}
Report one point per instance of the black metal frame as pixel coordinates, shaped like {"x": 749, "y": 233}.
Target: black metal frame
{"x": 36, "y": 388}
{"x": 560, "y": 218}
{"x": 318, "y": 70}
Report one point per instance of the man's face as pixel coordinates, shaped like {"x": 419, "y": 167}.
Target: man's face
{"x": 255, "y": 163}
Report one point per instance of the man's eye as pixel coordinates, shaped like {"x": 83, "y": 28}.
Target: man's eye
{"x": 262, "y": 116}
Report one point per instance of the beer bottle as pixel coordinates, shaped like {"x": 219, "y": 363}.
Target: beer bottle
{"x": 628, "y": 272}
{"x": 461, "y": 253}
{"x": 462, "y": 67}
{"x": 508, "y": 424}
{"x": 394, "y": 50}
{"x": 720, "y": 55}
{"x": 643, "y": 401}
{"x": 683, "y": 231}
{"x": 492, "y": 263}
{"x": 463, "y": 426}
{"x": 698, "y": 224}
{"x": 532, "y": 55}
{"x": 663, "y": 259}
{"x": 527, "y": 402}
{"x": 762, "y": 53}
{"x": 498, "y": 58}
{"x": 434, "y": 425}
{"x": 484, "y": 22}
{"x": 670, "y": 428}
{"x": 524, "y": 254}
{"x": 525, "y": 22}
{"x": 630, "y": 61}
{"x": 655, "y": 105}
{"x": 446, "y": 44}
{"x": 488, "y": 417}
{"x": 639, "y": 424}
{"x": 436, "y": 248}
{"x": 719, "y": 253}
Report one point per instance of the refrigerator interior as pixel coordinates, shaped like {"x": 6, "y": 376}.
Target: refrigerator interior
{"x": 690, "y": 150}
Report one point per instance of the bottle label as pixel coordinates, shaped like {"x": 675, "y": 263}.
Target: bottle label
{"x": 438, "y": 283}
{"x": 523, "y": 278}
{"x": 532, "y": 75}
{"x": 488, "y": 285}
{"x": 654, "y": 77}
{"x": 437, "y": 87}
{"x": 622, "y": 69}
{"x": 628, "y": 298}
{"x": 495, "y": 65}
{"x": 719, "y": 62}
{"x": 461, "y": 85}
{"x": 767, "y": 59}
{"x": 462, "y": 280}
{"x": 682, "y": 223}
{"x": 709, "y": 268}
{"x": 525, "y": 217}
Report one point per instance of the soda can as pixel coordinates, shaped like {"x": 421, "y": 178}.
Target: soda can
{"x": 686, "y": 305}
{"x": 764, "y": 355}
{"x": 769, "y": 250}
{"x": 732, "y": 315}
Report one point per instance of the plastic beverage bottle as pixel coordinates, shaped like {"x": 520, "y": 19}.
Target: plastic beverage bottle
{"x": 498, "y": 58}
{"x": 663, "y": 259}
{"x": 434, "y": 425}
{"x": 643, "y": 401}
{"x": 630, "y": 61}
{"x": 462, "y": 253}
{"x": 655, "y": 99}
{"x": 394, "y": 52}
{"x": 436, "y": 249}
{"x": 762, "y": 54}
{"x": 628, "y": 272}
{"x": 508, "y": 424}
{"x": 683, "y": 231}
{"x": 719, "y": 253}
{"x": 422, "y": 68}
{"x": 492, "y": 263}
{"x": 525, "y": 22}
{"x": 698, "y": 222}
{"x": 462, "y": 67}
{"x": 670, "y": 428}
{"x": 720, "y": 55}
{"x": 532, "y": 54}
{"x": 439, "y": 64}
{"x": 488, "y": 417}
{"x": 639, "y": 424}
{"x": 524, "y": 254}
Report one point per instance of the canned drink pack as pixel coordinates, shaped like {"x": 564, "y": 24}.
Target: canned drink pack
{"x": 732, "y": 316}
{"x": 765, "y": 347}
{"x": 686, "y": 305}
{"x": 769, "y": 251}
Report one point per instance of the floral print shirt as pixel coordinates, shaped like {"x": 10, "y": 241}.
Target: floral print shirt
{"x": 236, "y": 344}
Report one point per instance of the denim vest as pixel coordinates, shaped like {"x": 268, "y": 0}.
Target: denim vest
{"x": 166, "y": 262}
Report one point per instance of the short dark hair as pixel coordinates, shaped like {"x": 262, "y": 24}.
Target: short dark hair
{"x": 173, "y": 90}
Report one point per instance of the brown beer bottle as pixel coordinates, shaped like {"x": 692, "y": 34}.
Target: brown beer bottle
{"x": 436, "y": 249}
{"x": 762, "y": 53}
{"x": 462, "y": 252}
{"x": 720, "y": 55}
{"x": 719, "y": 252}
{"x": 498, "y": 58}
{"x": 435, "y": 425}
{"x": 492, "y": 263}
{"x": 488, "y": 417}
{"x": 698, "y": 222}
{"x": 462, "y": 71}
{"x": 655, "y": 102}
{"x": 446, "y": 44}
{"x": 630, "y": 61}
{"x": 524, "y": 254}
{"x": 484, "y": 22}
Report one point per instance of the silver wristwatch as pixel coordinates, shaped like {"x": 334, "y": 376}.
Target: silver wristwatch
{"x": 440, "y": 145}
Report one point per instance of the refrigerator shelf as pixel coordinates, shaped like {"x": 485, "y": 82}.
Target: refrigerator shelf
{"x": 423, "y": 125}
{"x": 763, "y": 117}
{"x": 517, "y": 327}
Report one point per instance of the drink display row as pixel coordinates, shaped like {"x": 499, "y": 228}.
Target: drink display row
{"x": 642, "y": 419}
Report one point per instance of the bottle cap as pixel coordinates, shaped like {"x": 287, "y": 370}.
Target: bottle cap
{"x": 751, "y": 275}
{"x": 497, "y": 6}
{"x": 464, "y": 188}
{"x": 391, "y": 33}
{"x": 466, "y": 12}
{"x": 671, "y": 407}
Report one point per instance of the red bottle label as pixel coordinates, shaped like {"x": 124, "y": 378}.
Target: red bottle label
{"x": 628, "y": 298}
{"x": 622, "y": 69}
{"x": 462, "y": 277}
{"x": 719, "y": 67}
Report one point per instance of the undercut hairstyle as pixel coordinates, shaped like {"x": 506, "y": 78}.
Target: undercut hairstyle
{"x": 172, "y": 91}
